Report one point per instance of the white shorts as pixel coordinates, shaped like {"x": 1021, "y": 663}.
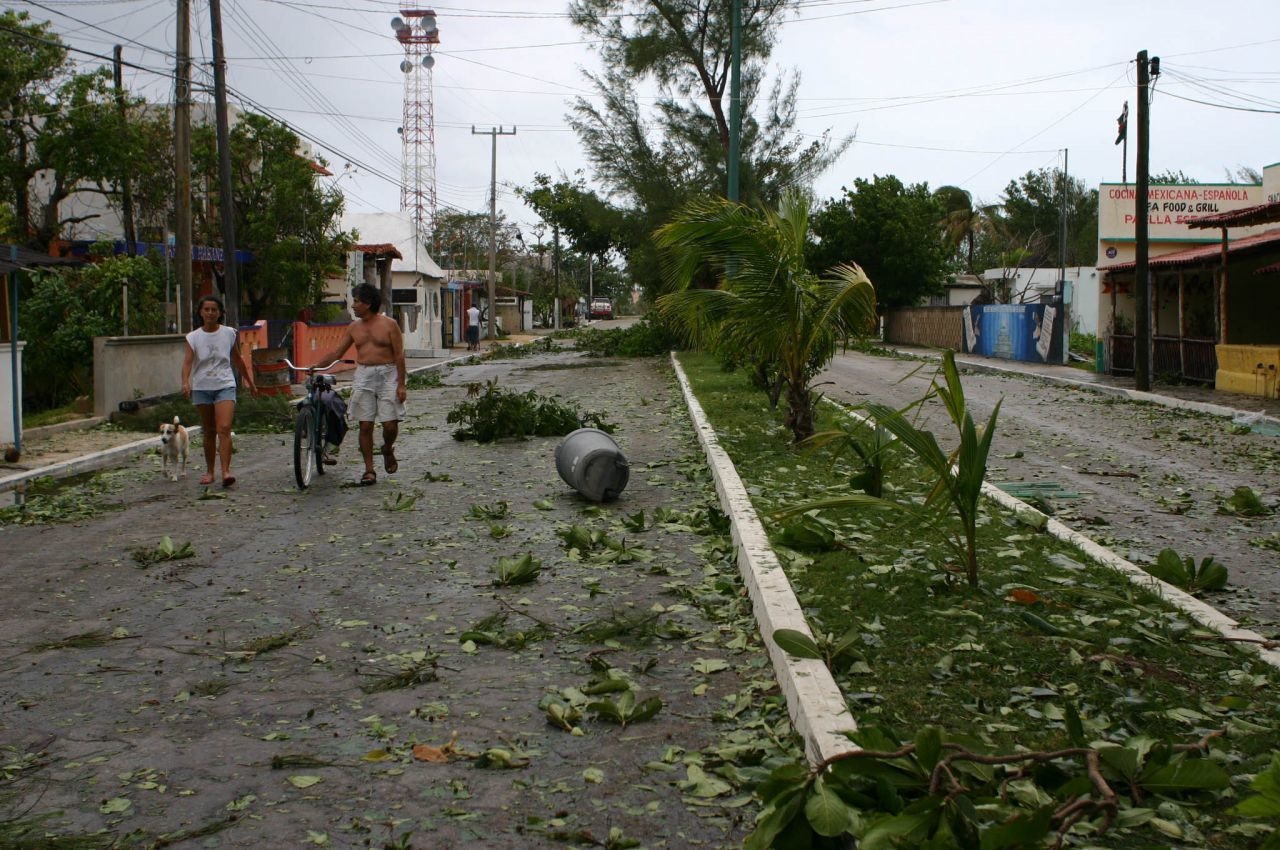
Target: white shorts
{"x": 373, "y": 394}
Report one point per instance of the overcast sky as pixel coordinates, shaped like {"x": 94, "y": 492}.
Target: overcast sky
{"x": 973, "y": 93}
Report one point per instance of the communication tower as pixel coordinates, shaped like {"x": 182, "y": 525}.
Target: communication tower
{"x": 416, "y": 31}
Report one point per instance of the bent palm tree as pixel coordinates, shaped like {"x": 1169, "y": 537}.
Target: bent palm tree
{"x": 769, "y": 310}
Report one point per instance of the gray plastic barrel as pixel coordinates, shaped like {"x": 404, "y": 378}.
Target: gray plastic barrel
{"x": 590, "y": 462}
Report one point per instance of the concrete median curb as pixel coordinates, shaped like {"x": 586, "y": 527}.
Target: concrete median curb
{"x": 814, "y": 701}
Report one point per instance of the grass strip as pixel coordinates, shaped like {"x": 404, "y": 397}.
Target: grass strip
{"x": 1048, "y": 633}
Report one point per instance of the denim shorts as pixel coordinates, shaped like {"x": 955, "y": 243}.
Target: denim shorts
{"x": 201, "y": 397}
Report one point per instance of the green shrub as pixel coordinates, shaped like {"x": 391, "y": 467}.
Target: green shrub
{"x": 67, "y": 308}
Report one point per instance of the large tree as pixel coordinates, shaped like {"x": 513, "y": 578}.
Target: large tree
{"x": 67, "y": 133}
{"x": 283, "y": 216}
{"x": 1030, "y": 219}
{"x": 892, "y": 231}
{"x": 461, "y": 240}
{"x": 34, "y": 62}
{"x": 588, "y": 225}
{"x": 654, "y": 159}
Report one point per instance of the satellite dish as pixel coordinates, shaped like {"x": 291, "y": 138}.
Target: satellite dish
{"x": 397, "y": 23}
{"x": 428, "y": 61}
{"x": 428, "y": 22}
{"x": 406, "y": 65}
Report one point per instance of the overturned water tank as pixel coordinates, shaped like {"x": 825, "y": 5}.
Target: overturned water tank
{"x": 590, "y": 462}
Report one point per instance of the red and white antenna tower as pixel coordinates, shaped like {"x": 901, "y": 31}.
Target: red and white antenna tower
{"x": 416, "y": 30}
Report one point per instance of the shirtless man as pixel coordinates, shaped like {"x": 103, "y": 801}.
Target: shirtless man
{"x": 378, "y": 392}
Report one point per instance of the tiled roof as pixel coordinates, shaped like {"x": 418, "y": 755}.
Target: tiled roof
{"x": 384, "y": 248}
{"x": 1261, "y": 214}
{"x": 1198, "y": 255}
{"x": 28, "y": 259}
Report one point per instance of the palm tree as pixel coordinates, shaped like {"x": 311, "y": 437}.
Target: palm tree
{"x": 769, "y": 310}
{"x": 962, "y": 222}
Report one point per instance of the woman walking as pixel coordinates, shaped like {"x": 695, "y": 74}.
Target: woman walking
{"x": 209, "y": 380}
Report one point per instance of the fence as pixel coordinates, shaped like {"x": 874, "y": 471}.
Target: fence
{"x": 935, "y": 327}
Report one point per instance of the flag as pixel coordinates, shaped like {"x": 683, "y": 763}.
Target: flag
{"x": 1122, "y": 124}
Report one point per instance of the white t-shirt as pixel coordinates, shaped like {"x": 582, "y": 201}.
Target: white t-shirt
{"x": 211, "y": 369}
{"x": 473, "y": 317}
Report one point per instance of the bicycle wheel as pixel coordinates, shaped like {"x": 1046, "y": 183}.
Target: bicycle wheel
{"x": 304, "y": 452}
{"x": 322, "y": 432}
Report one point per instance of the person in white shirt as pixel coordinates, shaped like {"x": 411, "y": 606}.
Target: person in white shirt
{"x": 209, "y": 380}
{"x": 473, "y": 327}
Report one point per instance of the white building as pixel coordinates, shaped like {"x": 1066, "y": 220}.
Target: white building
{"x": 415, "y": 278}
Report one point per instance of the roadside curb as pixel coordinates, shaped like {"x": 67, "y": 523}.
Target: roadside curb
{"x": 84, "y": 463}
{"x": 72, "y": 425}
{"x": 817, "y": 708}
{"x": 1203, "y": 613}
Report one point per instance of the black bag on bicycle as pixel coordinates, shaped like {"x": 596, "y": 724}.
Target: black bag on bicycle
{"x": 335, "y": 415}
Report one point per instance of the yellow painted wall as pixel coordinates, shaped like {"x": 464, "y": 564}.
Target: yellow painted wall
{"x": 1249, "y": 370}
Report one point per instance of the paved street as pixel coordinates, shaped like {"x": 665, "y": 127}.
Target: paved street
{"x": 337, "y": 666}
{"x": 304, "y": 675}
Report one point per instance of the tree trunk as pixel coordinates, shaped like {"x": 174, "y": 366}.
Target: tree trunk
{"x": 799, "y": 412}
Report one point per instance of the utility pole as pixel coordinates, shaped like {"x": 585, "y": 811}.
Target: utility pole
{"x": 1062, "y": 260}
{"x": 226, "y": 203}
{"x": 1141, "y": 267}
{"x": 182, "y": 167}
{"x": 493, "y": 133}
{"x": 735, "y": 98}
{"x": 555, "y": 262}
{"x": 126, "y": 189}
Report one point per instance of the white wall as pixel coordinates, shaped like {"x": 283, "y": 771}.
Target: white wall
{"x": 1084, "y": 284}
{"x": 8, "y": 396}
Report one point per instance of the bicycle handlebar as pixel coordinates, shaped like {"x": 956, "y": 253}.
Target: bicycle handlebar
{"x": 290, "y": 364}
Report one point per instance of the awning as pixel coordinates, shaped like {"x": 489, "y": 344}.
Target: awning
{"x": 1268, "y": 213}
{"x": 14, "y": 257}
{"x": 382, "y": 249}
{"x": 1202, "y": 253}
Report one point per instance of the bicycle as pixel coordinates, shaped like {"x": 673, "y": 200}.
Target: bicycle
{"x": 310, "y": 426}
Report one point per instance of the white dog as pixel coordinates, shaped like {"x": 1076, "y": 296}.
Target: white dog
{"x": 173, "y": 449}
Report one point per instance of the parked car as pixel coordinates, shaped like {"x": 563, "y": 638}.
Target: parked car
{"x": 601, "y": 307}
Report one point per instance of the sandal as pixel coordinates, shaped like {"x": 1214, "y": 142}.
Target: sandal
{"x": 207, "y": 478}
{"x": 228, "y": 480}
{"x": 389, "y": 460}
{"x": 369, "y": 478}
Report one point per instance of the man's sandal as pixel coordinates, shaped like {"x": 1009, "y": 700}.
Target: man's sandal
{"x": 389, "y": 460}
{"x": 370, "y": 477}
